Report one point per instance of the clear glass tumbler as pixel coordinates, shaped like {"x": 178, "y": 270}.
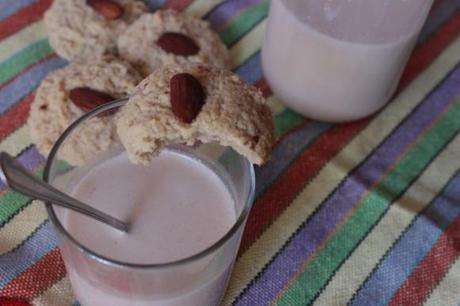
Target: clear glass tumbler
{"x": 339, "y": 60}
{"x": 198, "y": 280}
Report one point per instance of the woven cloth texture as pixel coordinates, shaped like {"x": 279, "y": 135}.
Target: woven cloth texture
{"x": 365, "y": 213}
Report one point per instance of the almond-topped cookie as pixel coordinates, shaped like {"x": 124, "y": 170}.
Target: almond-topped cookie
{"x": 168, "y": 37}
{"x": 66, "y": 94}
{"x": 191, "y": 103}
{"x": 87, "y": 29}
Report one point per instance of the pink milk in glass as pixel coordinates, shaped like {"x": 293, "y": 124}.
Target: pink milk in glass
{"x": 176, "y": 206}
{"x": 339, "y": 60}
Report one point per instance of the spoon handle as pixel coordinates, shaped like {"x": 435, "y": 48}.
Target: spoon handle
{"x": 21, "y": 180}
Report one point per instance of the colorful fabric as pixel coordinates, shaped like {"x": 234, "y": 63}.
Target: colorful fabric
{"x": 365, "y": 213}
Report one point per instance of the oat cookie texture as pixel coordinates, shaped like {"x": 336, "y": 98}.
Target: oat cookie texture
{"x": 53, "y": 110}
{"x": 169, "y": 37}
{"x": 233, "y": 113}
{"x": 82, "y": 30}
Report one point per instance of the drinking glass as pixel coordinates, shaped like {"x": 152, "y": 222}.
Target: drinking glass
{"x": 198, "y": 280}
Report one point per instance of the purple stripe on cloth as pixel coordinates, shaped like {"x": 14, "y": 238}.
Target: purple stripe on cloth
{"x": 251, "y": 70}
{"x": 14, "y": 263}
{"x": 338, "y": 205}
{"x": 224, "y": 12}
{"x": 9, "y": 7}
{"x": 30, "y": 159}
{"x": 22, "y": 85}
{"x": 411, "y": 248}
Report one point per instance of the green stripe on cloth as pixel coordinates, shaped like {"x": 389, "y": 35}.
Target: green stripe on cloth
{"x": 286, "y": 121}
{"x": 244, "y": 22}
{"x": 26, "y": 57}
{"x": 11, "y": 202}
{"x": 336, "y": 250}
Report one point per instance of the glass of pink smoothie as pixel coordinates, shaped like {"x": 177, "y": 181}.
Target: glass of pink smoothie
{"x": 186, "y": 210}
{"x": 339, "y": 60}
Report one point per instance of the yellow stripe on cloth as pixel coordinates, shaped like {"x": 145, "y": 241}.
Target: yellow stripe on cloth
{"x": 260, "y": 253}
{"x": 248, "y": 45}
{"x": 363, "y": 260}
{"x": 17, "y": 141}
{"x": 275, "y": 105}
{"x": 447, "y": 293}
{"x": 60, "y": 294}
{"x": 199, "y": 8}
{"x": 21, "y": 226}
{"x": 20, "y": 40}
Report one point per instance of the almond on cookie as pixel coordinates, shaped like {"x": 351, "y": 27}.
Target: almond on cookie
{"x": 195, "y": 103}
{"x": 168, "y": 37}
{"x": 66, "y": 94}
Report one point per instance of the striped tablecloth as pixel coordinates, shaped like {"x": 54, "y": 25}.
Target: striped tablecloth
{"x": 365, "y": 213}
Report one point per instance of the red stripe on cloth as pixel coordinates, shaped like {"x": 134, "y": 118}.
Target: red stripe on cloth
{"x": 431, "y": 269}
{"x": 15, "y": 117}
{"x": 178, "y": 5}
{"x": 424, "y": 54}
{"x": 37, "y": 278}
{"x": 5, "y": 301}
{"x": 263, "y": 87}
{"x": 280, "y": 195}
{"x": 23, "y": 17}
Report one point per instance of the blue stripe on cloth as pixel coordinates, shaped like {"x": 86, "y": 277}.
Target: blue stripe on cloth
{"x": 411, "y": 247}
{"x": 155, "y": 4}
{"x": 9, "y": 7}
{"x": 30, "y": 159}
{"x": 25, "y": 83}
{"x": 14, "y": 263}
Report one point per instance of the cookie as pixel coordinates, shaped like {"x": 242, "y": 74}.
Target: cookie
{"x": 82, "y": 30}
{"x": 168, "y": 37}
{"x": 54, "y": 107}
{"x": 190, "y": 103}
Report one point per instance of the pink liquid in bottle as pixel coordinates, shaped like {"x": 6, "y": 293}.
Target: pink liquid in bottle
{"x": 339, "y": 60}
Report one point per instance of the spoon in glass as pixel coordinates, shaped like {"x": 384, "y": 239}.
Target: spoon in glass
{"x": 23, "y": 181}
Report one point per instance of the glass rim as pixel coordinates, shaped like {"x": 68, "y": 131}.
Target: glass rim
{"x": 109, "y": 261}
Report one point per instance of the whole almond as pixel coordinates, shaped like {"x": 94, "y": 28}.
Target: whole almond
{"x": 86, "y": 99}
{"x": 178, "y": 43}
{"x": 187, "y": 97}
{"x": 107, "y": 8}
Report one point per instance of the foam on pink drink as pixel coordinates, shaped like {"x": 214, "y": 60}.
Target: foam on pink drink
{"x": 339, "y": 60}
{"x": 176, "y": 207}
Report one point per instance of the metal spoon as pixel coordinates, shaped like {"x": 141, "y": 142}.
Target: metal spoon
{"x": 21, "y": 180}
